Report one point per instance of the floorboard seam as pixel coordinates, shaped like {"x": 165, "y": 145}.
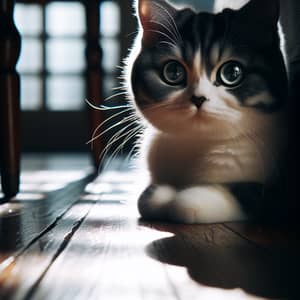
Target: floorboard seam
{"x": 247, "y": 239}
{"x": 46, "y": 230}
{"x": 59, "y": 251}
{"x": 173, "y": 287}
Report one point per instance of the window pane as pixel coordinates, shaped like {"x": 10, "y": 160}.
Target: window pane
{"x": 28, "y": 19}
{"x": 111, "y": 54}
{"x": 31, "y": 56}
{"x": 65, "y": 55}
{"x": 65, "y": 93}
{"x": 65, "y": 18}
{"x": 109, "y": 18}
{"x": 31, "y": 93}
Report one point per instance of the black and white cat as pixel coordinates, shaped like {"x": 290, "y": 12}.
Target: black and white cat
{"x": 212, "y": 90}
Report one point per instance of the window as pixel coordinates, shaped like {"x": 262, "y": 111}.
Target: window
{"x": 52, "y": 63}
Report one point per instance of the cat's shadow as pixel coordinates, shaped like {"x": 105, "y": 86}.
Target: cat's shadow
{"x": 215, "y": 258}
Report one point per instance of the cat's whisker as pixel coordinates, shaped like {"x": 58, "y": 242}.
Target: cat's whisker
{"x": 121, "y": 87}
{"x": 167, "y": 43}
{"x": 117, "y": 136}
{"x": 115, "y": 95}
{"x": 133, "y": 154}
{"x": 163, "y": 34}
{"x": 94, "y": 137}
{"x": 136, "y": 146}
{"x": 107, "y": 120}
{"x": 113, "y": 116}
{"x": 132, "y": 33}
{"x": 92, "y": 105}
{"x": 166, "y": 28}
{"x": 132, "y": 133}
{"x": 105, "y": 108}
{"x": 171, "y": 18}
{"x": 170, "y": 29}
{"x": 120, "y": 67}
{"x": 115, "y": 152}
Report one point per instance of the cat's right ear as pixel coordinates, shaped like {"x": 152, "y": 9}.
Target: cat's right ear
{"x": 261, "y": 12}
{"x": 154, "y": 16}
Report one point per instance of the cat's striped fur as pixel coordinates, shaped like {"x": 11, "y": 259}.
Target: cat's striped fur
{"x": 214, "y": 150}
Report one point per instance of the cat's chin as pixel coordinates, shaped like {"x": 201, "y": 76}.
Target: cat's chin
{"x": 190, "y": 121}
{"x": 197, "y": 128}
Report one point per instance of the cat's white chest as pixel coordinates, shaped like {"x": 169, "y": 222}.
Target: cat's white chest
{"x": 233, "y": 162}
{"x": 180, "y": 162}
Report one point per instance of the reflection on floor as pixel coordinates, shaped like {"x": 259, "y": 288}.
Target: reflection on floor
{"x": 68, "y": 235}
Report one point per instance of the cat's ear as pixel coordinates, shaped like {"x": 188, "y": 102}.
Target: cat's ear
{"x": 154, "y": 16}
{"x": 262, "y": 12}
{"x": 256, "y": 23}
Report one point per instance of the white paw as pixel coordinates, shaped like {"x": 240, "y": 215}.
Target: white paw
{"x": 207, "y": 204}
{"x": 154, "y": 201}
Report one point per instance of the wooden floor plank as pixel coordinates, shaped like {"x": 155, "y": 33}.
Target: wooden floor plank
{"x": 50, "y": 185}
{"x": 100, "y": 249}
{"x": 113, "y": 255}
{"x": 108, "y": 254}
{"x": 19, "y": 278}
{"x": 268, "y": 236}
{"x": 48, "y": 189}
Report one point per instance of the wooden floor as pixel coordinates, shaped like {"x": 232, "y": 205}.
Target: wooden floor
{"x": 63, "y": 239}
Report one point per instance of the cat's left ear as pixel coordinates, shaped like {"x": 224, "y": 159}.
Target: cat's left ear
{"x": 261, "y": 12}
{"x": 154, "y": 16}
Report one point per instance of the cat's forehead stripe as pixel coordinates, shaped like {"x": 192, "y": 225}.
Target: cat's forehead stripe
{"x": 197, "y": 66}
{"x": 215, "y": 54}
{"x": 202, "y": 37}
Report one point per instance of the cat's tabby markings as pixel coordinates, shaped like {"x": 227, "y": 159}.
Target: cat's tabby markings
{"x": 212, "y": 90}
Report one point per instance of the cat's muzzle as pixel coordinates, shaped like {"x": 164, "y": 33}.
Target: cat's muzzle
{"x": 198, "y": 101}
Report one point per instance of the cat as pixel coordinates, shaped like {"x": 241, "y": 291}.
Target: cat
{"x": 211, "y": 89}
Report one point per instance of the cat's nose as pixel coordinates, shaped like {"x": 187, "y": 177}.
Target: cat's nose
{"x": 198, "y": 100}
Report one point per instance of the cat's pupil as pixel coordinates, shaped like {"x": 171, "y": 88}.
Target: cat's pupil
{"x": 231, "y": 74}
{"x": 174, "y": 73}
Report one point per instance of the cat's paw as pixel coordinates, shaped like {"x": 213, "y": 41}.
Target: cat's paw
{"x": 205, "y": 204}
{"x": 154, "y": 201}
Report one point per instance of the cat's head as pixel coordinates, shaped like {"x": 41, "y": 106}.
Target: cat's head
{"x": 214, "y": 74}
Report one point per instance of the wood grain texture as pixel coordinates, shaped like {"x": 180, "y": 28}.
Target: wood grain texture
{"x": 24, "y": 272}
{"x": 47, "y": 192}
{"x": 100, "y": 249}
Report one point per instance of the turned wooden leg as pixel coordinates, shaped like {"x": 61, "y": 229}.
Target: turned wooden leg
{"x": 94, "y": 75}
{"x": 9, "y": 101}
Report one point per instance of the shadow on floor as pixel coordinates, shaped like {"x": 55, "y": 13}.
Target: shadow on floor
{"x": 217, "y": 257}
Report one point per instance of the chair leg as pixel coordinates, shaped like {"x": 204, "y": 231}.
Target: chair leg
{"x": 94, "y": 75}
{"x": 10, "y": 44}
{"x": 10, "y": 132}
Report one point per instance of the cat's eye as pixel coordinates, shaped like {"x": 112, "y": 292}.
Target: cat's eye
{"x": 230, "y": 74}
{"x": 174, "y": 73}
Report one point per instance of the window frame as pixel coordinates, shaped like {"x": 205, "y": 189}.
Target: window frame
{"x": 44, "y": 130}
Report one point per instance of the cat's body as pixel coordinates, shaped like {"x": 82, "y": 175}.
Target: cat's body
{"x": 214, "y": 102}
{"x": 190, "y": 160}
